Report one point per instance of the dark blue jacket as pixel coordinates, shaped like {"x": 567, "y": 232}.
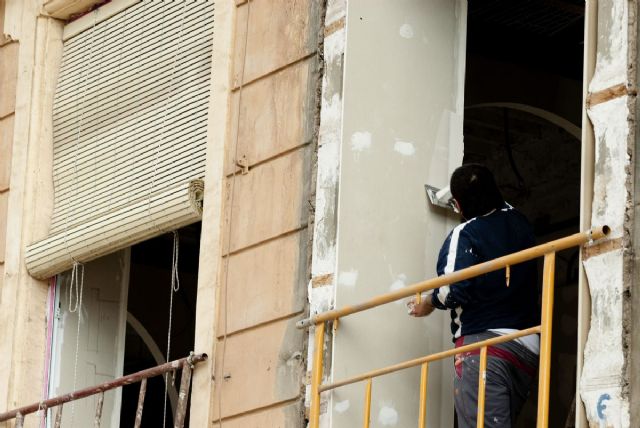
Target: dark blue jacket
{"x": 486, "y": 302}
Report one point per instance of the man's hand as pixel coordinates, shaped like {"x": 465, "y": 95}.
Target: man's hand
{"x": 421, "y": 309}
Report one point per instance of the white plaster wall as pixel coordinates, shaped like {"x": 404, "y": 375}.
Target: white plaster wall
{"x": 611, "y": 165}
{"x": 613, "y": 42}
{"x": 603, "y": 382}
{"x": 323, "y": 262}
{"x": 402, "y": 123}
{"x": 603, "y": 375}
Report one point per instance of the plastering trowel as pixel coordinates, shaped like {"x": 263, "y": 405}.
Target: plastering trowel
{"x": 440, "y": 197}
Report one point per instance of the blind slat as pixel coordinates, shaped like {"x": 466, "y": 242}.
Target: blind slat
{"x": 129, "y": 129}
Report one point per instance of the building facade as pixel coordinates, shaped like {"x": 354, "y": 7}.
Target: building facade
{"x": 313, "y": 126}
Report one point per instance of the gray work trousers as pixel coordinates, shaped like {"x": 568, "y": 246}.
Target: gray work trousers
{"x": 511, "y": 368}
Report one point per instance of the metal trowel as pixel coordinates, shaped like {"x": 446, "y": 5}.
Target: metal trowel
{"x": 440, "y": 197}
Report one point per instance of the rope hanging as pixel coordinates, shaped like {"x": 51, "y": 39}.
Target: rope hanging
{"x": 77, "y": 281}
{"x": 77, "y": 271}
{"x": 175, "y": 286}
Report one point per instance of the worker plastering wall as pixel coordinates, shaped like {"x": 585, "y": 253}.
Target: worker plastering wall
{"x": 608, "y": 371}
{"x": 399, "y": 127}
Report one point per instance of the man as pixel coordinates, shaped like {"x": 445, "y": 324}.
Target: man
{"x": 490, "y": 305}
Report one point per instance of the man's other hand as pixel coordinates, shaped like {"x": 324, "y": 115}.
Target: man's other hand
{"x": 421, "y": 309}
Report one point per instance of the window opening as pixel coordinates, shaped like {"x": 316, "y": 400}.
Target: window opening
{"x": 147, "y": 320}
{"x": 523, "y": 106}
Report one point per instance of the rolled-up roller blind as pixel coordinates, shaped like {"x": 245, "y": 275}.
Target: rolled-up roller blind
{"x": 129, "y": 124}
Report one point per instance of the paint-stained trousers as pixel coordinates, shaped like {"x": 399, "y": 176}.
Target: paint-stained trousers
{"x": 511, "y": 368}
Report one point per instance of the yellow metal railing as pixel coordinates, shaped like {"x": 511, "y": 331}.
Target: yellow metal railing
{"x": 547, "y": 250}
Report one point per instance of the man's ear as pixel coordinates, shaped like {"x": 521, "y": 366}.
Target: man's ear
{"x": 457, "y": 204}
{"x": 459, "y": 208}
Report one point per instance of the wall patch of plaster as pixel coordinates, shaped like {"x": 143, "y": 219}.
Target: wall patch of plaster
{"x": 602, "y": 376}
{"x": 342, "y": 406}
{"x": 388, "y": 416}
{"x": 611, "y": 129}
{"x": 405, "y": 148}
{"x": 360, "y": 141}
{"x": 348, "y": 278}
{"x": 399, "y": 283}
{"x": 406, "y": 31}
{"x": 320, "y": 298}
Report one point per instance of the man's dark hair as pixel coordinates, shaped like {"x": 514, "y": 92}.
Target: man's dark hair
{"x": 475, "y": 189}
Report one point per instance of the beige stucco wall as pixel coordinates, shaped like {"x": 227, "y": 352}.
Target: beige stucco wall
{"x": 264, "y": 217}
{"x": 8, "y": 78}
{"x": 28, "y": 71}
{"x": 265, "y": 229}
{"x": 267, "y": 213}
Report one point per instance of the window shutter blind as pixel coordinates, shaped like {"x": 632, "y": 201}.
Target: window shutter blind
{"x": 129, "y": 124}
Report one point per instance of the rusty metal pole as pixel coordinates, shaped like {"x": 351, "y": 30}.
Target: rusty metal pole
{"x": 92, "y": 390}
{"x": 96, "y": 421}
{"x": 141, "y": 394}
{"x": 58, "y": 421}
{"x": 183, "y": 397}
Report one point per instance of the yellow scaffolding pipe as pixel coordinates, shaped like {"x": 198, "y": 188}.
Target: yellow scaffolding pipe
{"x": 544, "y": 373}
{"x": 429, "y": 358}
{"x": 547, "y": 250}
{"x": 424, "y": 381}
{"x": 482, "y": 386}
{"x": 367, "y": 404}
{"x": 316, "y": 376}
{"x": 457, "y": 276}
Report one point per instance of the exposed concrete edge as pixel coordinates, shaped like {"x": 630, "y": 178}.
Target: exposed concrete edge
{"x": 325, "y": 199}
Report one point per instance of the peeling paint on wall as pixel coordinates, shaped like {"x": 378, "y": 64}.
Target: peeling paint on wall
{"x": 613, "y": 40}
{"x": 603, "y": 379}
{"x": 611, "y": 129}
{"x": 323, "y": 262}
{"x": 603, "y": 372}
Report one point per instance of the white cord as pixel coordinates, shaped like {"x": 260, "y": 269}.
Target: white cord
{"x": 175, "y": 286}
{"x": 77, "y": 271}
